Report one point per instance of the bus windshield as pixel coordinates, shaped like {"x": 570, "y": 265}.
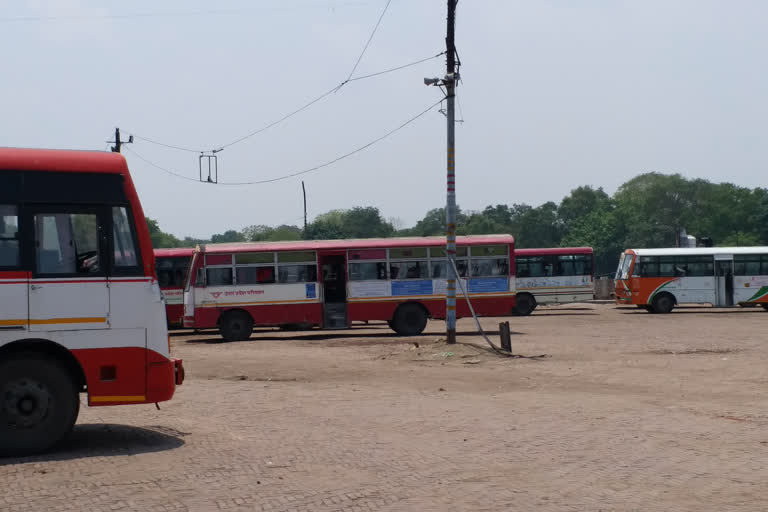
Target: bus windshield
{"x": 624, "y": 263}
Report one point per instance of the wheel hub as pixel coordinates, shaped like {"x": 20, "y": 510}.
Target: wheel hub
{"x": 25, "y": 403}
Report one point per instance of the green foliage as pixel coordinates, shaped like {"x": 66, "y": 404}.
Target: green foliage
{"x": 228, "y": 237}
{"x": 358, "y": 222}
{"x": 161, "y": 240}
{"x": 646, "y": 211}
{"x": 264, "y": 233}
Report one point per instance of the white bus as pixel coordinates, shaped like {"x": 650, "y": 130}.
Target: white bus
{"x": 80, "y": 307}
{"x": 558, "y": 275}
{"x": 659, "y": 279}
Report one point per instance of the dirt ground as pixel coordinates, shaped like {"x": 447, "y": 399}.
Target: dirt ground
{"x": 629, "y": 412}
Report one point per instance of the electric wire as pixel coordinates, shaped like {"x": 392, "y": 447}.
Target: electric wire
{"x": 172, "y": 173}
{"x": 290, "y": 114}
{"x": 170, "y": 146}
{"x": 339, "y": 158}
{"x": 368, "y": 43}
{"x": 298, "y": 173}
{"x": 398, "y": 68}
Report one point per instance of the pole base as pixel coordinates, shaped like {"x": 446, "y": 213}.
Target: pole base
{"x": 451, "y": 336}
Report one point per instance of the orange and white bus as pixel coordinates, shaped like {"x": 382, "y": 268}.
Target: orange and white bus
{"x": 234, "y": 287}
{"x": 80, "y": 308}
{"x": 553, "y": 276}
{"x": 659, "y": 279}
{"x": 171, "y": 267}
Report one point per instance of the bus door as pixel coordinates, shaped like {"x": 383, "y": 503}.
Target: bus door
{"x": 68, "y": 289}
{"x": 724, "y": 279}
{"x": 14, "y": 283}
{"x": 334, "y": 284}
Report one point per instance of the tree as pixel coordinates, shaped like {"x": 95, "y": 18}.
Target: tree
{"x": 159, "y": 238}
{"x": 741, "y": 239}
{"x": 358, "y": 222}
{"x": 265, "y": 233}
{"x": 433, "y": 223}
{"x": 536, "y": 227}
{"x": 601, "y": 230}
{"x": 581, "y": 202}
{"x": 654, "y": 208}
{"x": 228, "y": 236}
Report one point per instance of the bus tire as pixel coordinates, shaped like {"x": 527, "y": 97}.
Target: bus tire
{"x": 39, "y": 404}
{"x": 409, "y": 319}
{"x": 663, "y": 303}
{"x": 525, "y": 303}
{"x": 236, "y": 326}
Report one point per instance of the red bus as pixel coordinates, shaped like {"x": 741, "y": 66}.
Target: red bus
{"x": 80, "y": 308}
{"x": 171, "y": 267}
{"x": 553, "y": 276}
{"x": 234, "y": 287}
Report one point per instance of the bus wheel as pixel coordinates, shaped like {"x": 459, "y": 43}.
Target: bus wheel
{"x": 236, "y": 326}
{"x": 39, "y": 404}
{"x": 525, "y": 303}
{"x": 409, "y": 320}
{"x": 663, "y": 303}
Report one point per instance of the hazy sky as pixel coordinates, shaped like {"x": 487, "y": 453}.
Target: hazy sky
{"x": 556, "y": 94}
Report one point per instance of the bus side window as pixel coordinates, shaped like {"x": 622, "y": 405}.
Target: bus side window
{"x": 67, "y": 243}
{"x": 124, "y": 253}
{"x": 9, "y": 237}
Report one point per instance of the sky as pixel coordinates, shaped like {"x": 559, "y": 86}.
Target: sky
{"x": 554, "y": 94}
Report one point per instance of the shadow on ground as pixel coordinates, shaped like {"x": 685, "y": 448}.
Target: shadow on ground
{"x": 346, "y": 338}
{"x": 697, "y": 310}
{"x": 105, "y": 440}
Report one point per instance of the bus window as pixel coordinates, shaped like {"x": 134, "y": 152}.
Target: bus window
{"x": 440, "y": 268}
{"x": 123, "y": 238}
{"x": 582, "y": 264}
{"x": 750, "y": 264}
{"x": 218, "y": 276}
{"x": 9, "y": 242}
{"x": 368, "y": 271}
{"x": 619, "y": 268}
{"x": 296, "y": 273}
{"x": 488, "y": 267}
{"x": 408, "y": 270}
{"x": 534, "y": 266}
{"x": 253, "y": 275}
{"x": 565, "y": 266}
{"x": 67, "y": 243}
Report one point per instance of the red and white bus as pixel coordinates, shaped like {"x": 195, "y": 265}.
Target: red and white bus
{"x": 659, "y": 279}
{"x": 80, "y": 308}
{"x": 171, "y": 267}
{"x": 553, "y": 276}
{"x": 234, "y": 287}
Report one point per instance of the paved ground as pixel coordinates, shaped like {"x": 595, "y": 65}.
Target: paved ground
{"x": 632, "y": 412}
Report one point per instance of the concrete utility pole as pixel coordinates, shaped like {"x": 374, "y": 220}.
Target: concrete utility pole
{"x": 451, "y": 77}
{"x": 118, "y": 144}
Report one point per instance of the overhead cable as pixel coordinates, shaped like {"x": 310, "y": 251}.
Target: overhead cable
{"x": 298, "y": 173}
{"x": 292, "y": 113}
{"x": 368, "y": 43}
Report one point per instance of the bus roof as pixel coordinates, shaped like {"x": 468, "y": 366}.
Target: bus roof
{"x": 699, "y": 251}
{"x": 361, "y": 243}
{"x": 553, "y": 250}
{"x": 62, "y": 160}
{"x": 176, "y": 252}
